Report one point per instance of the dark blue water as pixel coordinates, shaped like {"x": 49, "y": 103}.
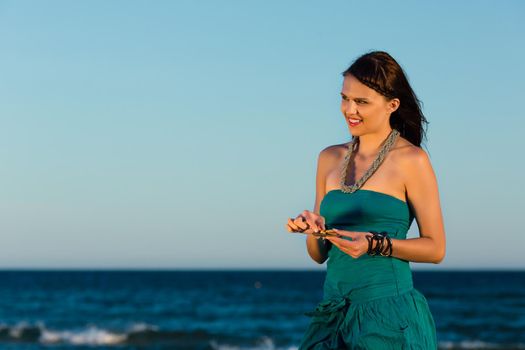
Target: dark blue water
{"x": 230, "y": 309}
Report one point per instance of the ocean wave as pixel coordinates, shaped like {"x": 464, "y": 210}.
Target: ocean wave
{"x": 143, "y": 334}
{"x": 139, "y": 334}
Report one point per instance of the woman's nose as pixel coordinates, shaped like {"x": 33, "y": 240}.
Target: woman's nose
{"x": 350, "y": 108}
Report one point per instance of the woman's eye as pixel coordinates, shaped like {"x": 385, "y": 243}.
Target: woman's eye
{"x": 357, "y": 101}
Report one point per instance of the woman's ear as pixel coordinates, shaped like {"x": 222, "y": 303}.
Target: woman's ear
{"x": 393, "y": 104}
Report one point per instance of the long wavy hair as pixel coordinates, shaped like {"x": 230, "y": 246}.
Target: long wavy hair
{"x": 379, "y": 71}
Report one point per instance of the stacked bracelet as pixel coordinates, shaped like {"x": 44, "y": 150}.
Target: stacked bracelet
{"x": 381, "y": 248}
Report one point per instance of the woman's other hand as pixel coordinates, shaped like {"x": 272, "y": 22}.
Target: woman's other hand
{"x": 306, "y": 222}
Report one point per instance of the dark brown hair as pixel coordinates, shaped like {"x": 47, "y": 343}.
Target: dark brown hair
{"x": 379, "y": 71}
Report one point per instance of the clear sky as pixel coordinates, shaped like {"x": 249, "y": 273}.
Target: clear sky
{"x": 183, "y": 134}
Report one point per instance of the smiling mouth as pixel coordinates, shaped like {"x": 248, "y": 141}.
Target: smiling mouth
{"x": 354, "y": 122}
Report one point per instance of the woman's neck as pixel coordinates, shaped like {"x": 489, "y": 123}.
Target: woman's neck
{"x": 370, "y": 144}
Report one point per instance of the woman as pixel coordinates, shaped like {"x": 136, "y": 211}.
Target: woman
{"x": 368, "y": 193}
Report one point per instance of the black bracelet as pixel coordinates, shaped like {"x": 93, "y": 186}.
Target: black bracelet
{"x": 388, "y": 250}
{"x": 388, "y": 245}
{"x": 381, "y": 248}
{"x": 370, "y": 240}
{"x": 381, "y": 244}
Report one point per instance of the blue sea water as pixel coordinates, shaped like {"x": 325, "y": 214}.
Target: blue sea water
{"x": 231, "y": 309}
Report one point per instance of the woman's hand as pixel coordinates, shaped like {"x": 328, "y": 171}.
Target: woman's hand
{"x": 306, "y": 222}
{"x": 356, "y": 247}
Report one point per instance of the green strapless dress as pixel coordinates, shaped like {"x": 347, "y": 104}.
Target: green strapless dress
{"x": 368, "y": 302}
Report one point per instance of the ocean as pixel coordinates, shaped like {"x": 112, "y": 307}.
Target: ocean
{"x": 230, "y": 310}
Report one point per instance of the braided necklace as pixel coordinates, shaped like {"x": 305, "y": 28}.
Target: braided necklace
{"x": 387, "y": 145}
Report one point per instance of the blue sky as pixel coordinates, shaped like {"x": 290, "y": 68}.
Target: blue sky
{"x": 183, "y": 134}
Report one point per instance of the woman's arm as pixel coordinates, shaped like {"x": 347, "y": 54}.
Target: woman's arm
{"x": 318, "y": 248}
{"x": 423, "y": 197}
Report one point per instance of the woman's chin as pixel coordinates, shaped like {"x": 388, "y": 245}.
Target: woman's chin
{"x": 354, "y": 132}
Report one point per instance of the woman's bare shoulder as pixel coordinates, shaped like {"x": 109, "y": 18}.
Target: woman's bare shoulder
{"x": 413, "y": 159}
{"x": 407, "y": 151}
{"x": 334, "y": 152}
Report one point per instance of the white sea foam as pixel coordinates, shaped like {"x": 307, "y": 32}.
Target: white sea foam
{"x": 88, "y": 336}
{"x": 91, "y": 335}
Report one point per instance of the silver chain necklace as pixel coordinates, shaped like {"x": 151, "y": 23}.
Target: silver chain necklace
{"x": 387, "y": 145}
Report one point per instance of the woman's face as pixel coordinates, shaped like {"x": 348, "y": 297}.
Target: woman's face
{"x": 365, "y": 110}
